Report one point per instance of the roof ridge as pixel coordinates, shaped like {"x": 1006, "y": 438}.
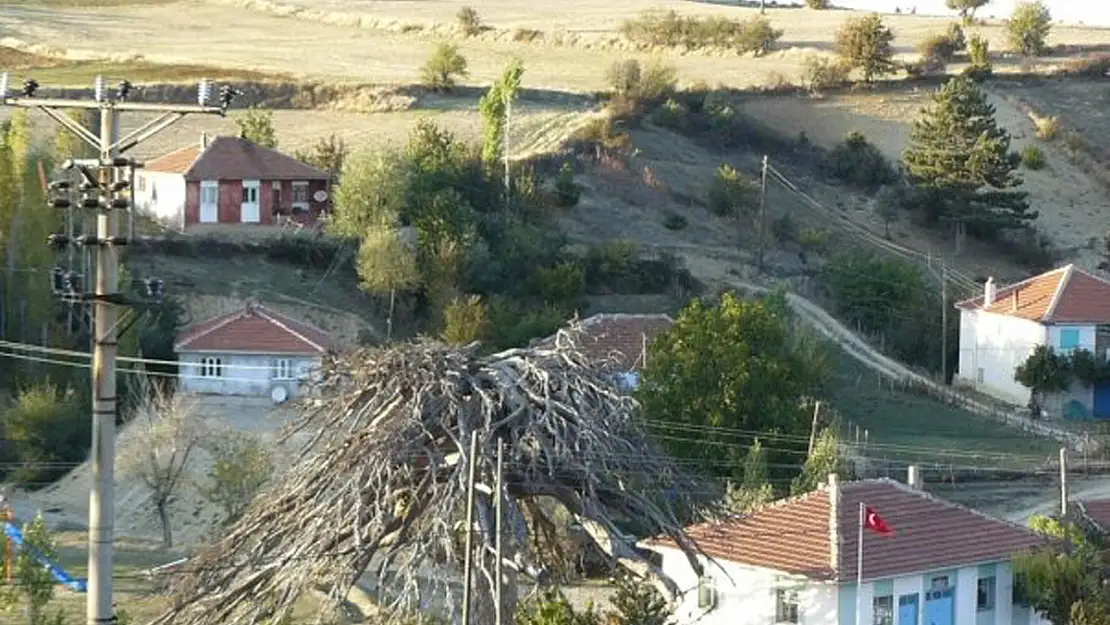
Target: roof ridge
{"x": 228, "y": 317}
{"x": 275, "y": 151}
{"x": 272, "y": 317}
{"x": 1014, "y": 285}
{"x": 1069, "y": 271}
{"x": 597, "y": 317}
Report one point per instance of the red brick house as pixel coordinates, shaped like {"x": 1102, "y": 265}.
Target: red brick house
{"x": 230, "y": 180}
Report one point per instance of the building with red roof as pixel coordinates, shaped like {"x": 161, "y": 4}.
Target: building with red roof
{"x": 230, "y": 180}
{"x": 1066, "y": 309}
{"x": 254, "y": 351}
{"x": 794, "y": 562}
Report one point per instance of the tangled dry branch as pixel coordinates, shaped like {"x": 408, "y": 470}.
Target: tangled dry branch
{"x": 380, "y": 487}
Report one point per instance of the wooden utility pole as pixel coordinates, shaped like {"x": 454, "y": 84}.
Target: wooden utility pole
{"x": 762, "y": 213}
{"x": 468, "y": 562}
{"x": 106, "y": 189}
{"x": 498, "y": 493}
{"x": 813, "y": 427}
{"x": 943, "y": 322}
{"x": 1063, "y": 482}
{"x": 505, "y": 138}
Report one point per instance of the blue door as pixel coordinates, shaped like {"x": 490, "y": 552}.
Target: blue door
{"x": 907, "y": 610}
{"x": 1102, "y": 401}
{"x": 939, "y": 607}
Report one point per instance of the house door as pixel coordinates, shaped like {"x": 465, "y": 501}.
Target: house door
{"x": 209, "y": 202}
{"x": 907, "y": 609}
{"x": 939, "y": 607}
{"x": 1102, "y": 401}
{"x": 249, "y": 212}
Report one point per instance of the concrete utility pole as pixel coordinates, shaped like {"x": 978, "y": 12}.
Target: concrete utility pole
{"x": 762, "y": 212}
{"x": 468, "y": 562}
{"x": 108, "y": 185}
{"x": 1063, "y": 482}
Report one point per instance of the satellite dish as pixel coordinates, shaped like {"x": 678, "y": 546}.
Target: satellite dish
{"x": 320, "y": 196}
{"x": 279, "y": 394}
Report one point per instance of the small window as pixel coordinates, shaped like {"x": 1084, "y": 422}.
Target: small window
{"x": 786, "y": 606}
{"x": 209, "y": 193}
{"x": 1019, "y": 591}
{"x": 985, "y": 596}
{"x": 211, "y": 367}
{"x": 300, "y": 193}
{"x": 1069, "y": 340}
{"x": 883, "y": 610}
{"x": 140, "y": 181}
{"x": 282, "y": 369}
{"x": 980, "y": 375}
{"x": 250, "y": 193}
{"x": 939, "y": 583}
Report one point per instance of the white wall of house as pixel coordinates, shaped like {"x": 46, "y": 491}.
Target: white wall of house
{"x": 244, "y": 374}
{"x": 748, "y": 596}
{"x": 161, "y": 195}
{"x": 991, "y": 347}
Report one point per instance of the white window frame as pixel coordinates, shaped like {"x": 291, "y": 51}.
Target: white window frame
{"x": 985, "y": 601}
{"x": 882, "y": 614}
{"x": 255, "y": 189}
{"x": 300, "y": 188}
{"x": 211, "y": 367}
{"x": 282, "y": 369}
{"x": 787, "y": 608}
{"x": 212, "y": 186}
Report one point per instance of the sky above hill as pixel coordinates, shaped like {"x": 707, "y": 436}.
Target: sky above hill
{"x": 1089, "y": 12}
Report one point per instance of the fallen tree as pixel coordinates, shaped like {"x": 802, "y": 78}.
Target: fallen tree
{"x": 381, "y": 485}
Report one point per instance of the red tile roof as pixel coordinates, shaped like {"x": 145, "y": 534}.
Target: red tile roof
{"x": 1065, "y": 295}
{"x": 255, "y": 329}
{"x": 621, "y": 336}
{"x": 234, "y": 158}
{"x": 1097, "y": 511}
{"x": 802, "y": 535}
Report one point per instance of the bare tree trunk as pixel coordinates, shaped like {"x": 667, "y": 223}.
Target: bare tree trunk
{"x": 162, "y": 507}
{"x": 389, "y": 319}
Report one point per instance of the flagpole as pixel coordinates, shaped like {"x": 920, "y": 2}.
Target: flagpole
{"x": 859, "y": 566}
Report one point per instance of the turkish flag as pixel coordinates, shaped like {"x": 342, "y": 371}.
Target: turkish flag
{"x": 875, "y": 523}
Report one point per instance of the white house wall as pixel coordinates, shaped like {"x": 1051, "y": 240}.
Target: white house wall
{"x": 169, "y": 207}
{"x": 243, "y": 374}
{"x": 746, "y": 595}
{"x": 995, "y": 345}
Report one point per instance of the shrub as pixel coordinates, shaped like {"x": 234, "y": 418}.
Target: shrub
{"x": 623, "y": 77}
{"x": 784, "y": 229}
{"x": 866, "y": 43}
{"x": 241, "y": 466}
{"x": 672, "y": 114}
{"x": 469, "y": 21}
{"x": 464, "y": 320}
{"x": 859, "y": 163}
{"x": 567, "y": 191}
{"x": 955, "y": 35}
{"x": 817, "y": 4}
{"x": 820, "y": 72}
{"x": 445, "y": 66}
{"x": 673, "y": 30}
{"x": 527, "y": 35}
{"x": 1095, "y": 66}
{"x": 815, "y": 240}
{"x": 561, "y": 285}
{"x": 731, "y": 191}
{"x": 674, "y": 221}
{"x": 639, "y": 84}
{"x": 1047, "y": 128}
{"x": 1033, "y": 157}
{"x": 937, "y": 50}
{"x": 46, "y": 428}
{"x": 1028, "y": 28}
{"x": 978, "y": 52}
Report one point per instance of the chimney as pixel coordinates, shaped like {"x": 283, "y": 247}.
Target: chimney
{"x": 203, "y": 140}
{"x": 913, "y": 477}
{"x": 989, "y": 292}
{"x": 834, "y": 525}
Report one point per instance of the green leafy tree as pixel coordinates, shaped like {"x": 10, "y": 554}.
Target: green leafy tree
{"x": 241, "y": 466}
{"x": 386, "y": 265}
{"x": 257, "y": 126}
{"x": 492, "y": 108}
{"x": 966, "y": 8}
{"x": 978, "y": 54}
{"x": 866, "y": 43}
{"x": 756, "y": 490}
{"x": 1060, "y": 576}
{"x": 636, "y": 603}
{"x": 825, "y": 459}
{"x": 370, "y": 193}
{"x": 34, "y": 586}
{"x": 732, "y": 191}
{"x": 443, "y": 69}
{"x": 328, "y": 153}
{"x": 960, "y": 159}
{"x": 817, "y": 4}
{"x": 737, "y": 364}
{"x": 465, "y": 320}
{"x": 1028, "y": 28}
{"x": 1044, "y": 372}
{"x": 47, "y": 424}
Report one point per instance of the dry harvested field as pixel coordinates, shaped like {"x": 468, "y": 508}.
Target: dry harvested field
{"x": 386, "y": 42}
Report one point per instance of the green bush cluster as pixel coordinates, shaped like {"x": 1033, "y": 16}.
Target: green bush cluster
{"x": 755, "y": 35}
{"x": 858, "y": 162}
{"x": 732, "y": 192}
{"x": 1033, "y": 157}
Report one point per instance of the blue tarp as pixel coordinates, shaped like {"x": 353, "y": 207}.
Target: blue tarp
{"x": 79, "y": 585}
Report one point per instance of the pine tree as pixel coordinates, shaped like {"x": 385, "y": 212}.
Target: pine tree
{"x": 961, "y": 160}
{"x": 755, "y": 490}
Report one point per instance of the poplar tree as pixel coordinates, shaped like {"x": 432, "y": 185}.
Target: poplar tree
{"x": 960, "y": 158}
{"x": 492, "y": 107}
